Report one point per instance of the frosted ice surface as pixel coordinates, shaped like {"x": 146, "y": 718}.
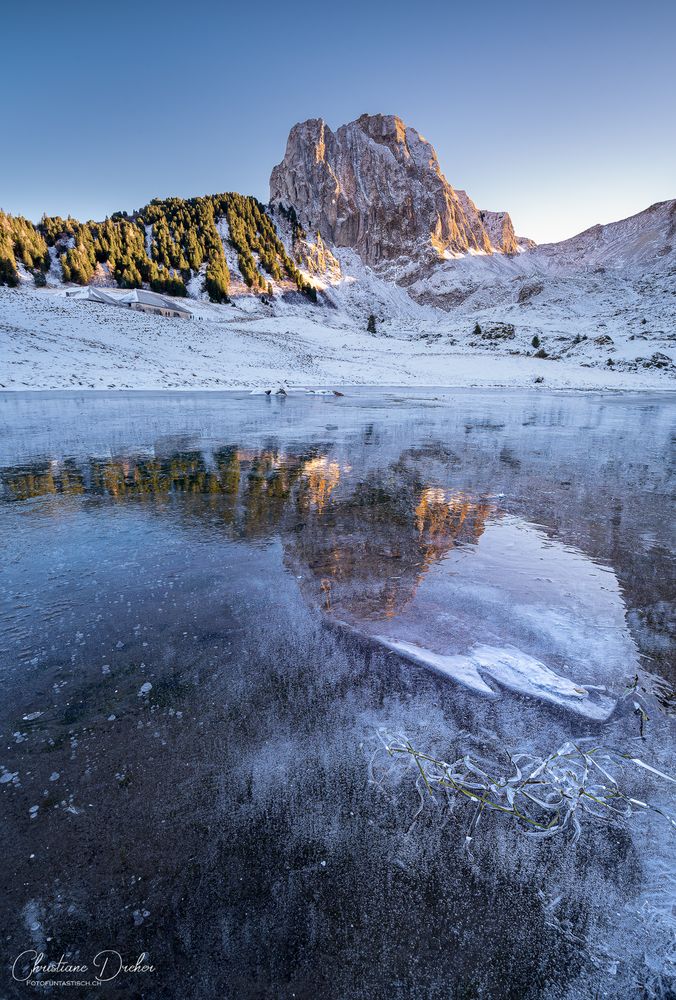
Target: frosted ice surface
{"x": 536, "y": 616}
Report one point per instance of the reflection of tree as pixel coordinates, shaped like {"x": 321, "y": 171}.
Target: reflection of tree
{"x": 359, "y": 546}
{"x": 41, "y": 480}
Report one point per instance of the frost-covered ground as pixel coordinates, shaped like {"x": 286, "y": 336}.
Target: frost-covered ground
{"x": 49, "y": 341}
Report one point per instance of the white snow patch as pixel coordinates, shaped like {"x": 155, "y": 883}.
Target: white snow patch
{"x": 513, "y": 669}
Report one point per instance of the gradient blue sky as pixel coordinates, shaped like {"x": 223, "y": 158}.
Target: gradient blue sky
{"x": 562, "y": 113}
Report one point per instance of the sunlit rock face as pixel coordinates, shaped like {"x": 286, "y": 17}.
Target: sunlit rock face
{"x": 375, "y": 186}
{"x": 316, "y": 258}
{"x": 500, "y": 231}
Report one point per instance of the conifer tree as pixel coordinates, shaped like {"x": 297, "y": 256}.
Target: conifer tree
{"x": 217, "y": 279}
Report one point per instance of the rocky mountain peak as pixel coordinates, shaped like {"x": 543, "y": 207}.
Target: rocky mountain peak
{"x": 375, "y": 185}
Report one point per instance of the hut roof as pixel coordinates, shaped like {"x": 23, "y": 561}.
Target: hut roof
{"x": 153, "y": 299}
{"x": 91, "y": 293}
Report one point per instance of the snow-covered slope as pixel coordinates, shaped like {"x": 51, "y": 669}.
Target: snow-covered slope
{"x": 643, "y": 243}
{"x": 51, "y": 341}
{"x": 474, "y": 319}
{"x": 614, "y": 285}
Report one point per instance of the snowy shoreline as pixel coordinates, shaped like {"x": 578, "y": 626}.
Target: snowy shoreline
{"x": 50, "y": 342}
{"x": 343, "y": 388}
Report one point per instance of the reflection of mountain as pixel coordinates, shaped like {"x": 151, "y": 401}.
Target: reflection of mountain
{"x": 359, "y": 546}
{"x": 368, "y": 552}
{"x": 440, "y": 516}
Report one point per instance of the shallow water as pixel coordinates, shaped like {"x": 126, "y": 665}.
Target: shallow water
{"x": 292, "y": 576}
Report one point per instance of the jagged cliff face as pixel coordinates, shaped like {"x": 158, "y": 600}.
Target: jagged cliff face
{"x": 500, "y": 231}
{"x": 375, "y": 186}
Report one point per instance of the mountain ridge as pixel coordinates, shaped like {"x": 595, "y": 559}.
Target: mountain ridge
{"x": 652, "y": 232}
{"x": 375, "y": 185}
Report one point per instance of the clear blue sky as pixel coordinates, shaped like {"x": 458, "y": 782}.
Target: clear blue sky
{"x": 563, "y": 113}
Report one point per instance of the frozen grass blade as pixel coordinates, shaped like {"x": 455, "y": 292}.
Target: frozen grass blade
{"x": 545, "y": 795}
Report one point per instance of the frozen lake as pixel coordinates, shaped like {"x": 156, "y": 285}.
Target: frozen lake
{"x": 216, "y": 608}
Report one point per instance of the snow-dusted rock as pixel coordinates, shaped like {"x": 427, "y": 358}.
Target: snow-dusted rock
{"x": 500, "y": 231}
{"x": 375, "y": 186}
